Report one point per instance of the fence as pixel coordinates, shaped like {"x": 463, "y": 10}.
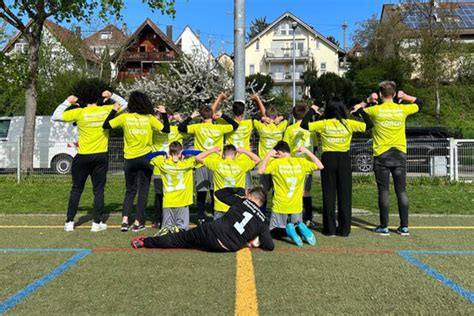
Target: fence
{"x": 450, "y": 158}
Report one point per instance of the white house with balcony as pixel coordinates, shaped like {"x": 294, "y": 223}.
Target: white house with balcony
{"x": 271, "y": 53}
{"x": 190, "y": 44}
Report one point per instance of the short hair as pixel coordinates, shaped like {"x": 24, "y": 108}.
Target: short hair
{"x": 89, "y": 91}
{"x": 175, "y": 148}
{"x": 238, "y": 108}
{"x": 206, "y": 112}
{"x": 282, "y": 146}
{"x": 139, "y": 102}
{"x": 229, "y": 147}
{"x": 388, "y": 89}
{"x": 259, "y": 193}
{"x": 299, "y": 111}
{"x": 271, "y": 111}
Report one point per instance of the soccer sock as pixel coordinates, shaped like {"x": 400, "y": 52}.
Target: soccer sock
{"x": 201, "y": 204}
{"x": 278, "y": 233}
{"x": 308, "y": 208}
{"x": 158, "y": 207}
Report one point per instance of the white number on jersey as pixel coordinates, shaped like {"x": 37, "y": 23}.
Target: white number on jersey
{"x": 292, "y": 185}
{"x": 208, "y": 143}
{"x": 240, "y": 226}
{"x": 179, "y": 185}
{"x": 229, "y": 182}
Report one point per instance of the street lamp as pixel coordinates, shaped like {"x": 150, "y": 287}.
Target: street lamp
{"x": 294, "y": 25}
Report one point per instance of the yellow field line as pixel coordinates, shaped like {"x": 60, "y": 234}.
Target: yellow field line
{"x": 245, "y": 289}
{"x": 191, "y": 226}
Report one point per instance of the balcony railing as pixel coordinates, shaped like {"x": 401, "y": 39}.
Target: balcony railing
{"x": 286, "y": 53}
{"x": 148, "y": 56}
{"x": 286, "y": 76}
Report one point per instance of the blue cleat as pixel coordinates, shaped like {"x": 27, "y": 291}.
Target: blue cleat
{"x": 291, "y": 232}
{"x": 308, "y": 235}
{"x": 382, "y": 231}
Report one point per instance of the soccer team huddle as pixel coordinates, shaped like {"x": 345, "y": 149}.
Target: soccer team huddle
{"x": 222, "y": 163}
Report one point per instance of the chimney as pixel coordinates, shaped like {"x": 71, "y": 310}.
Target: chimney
{"x": 125, "y": 29}
{"x": 169, "y": 31}
{"x": 77, "y": 30}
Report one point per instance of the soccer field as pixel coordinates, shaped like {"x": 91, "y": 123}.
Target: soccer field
{"x": 48, "y": 271}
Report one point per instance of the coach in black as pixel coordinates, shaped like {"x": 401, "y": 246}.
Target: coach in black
{"x": 239, "y": 227}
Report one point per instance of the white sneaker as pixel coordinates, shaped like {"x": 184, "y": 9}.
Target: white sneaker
{"x": 69, "y": 226}
{"x": 98, "y": 227}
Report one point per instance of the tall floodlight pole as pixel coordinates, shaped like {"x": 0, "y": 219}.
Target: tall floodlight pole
{"x": 294, "y": 25}
{"x": 239, "y": 50}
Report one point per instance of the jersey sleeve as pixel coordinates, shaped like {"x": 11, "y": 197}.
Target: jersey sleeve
{"x": 225, "y": 128}
{"x": 211, "y": 163}
{"x": 282, "y": 126}
{"x": 286, "y": 137}
{"x": 258, "y": 125}
{"x": 308, "y": 165}
{"x": 317, "y": 126}
{"x": 71, "y": 115}
{"x": 190, "y": 162}
{"x": 193, "y": 128}
{"x": 156, "y": 125}
{"x": 157, "y": 161}
{"x": 409, "y": 109}
{"x": 117, "y": 121}
{"x": 371, "y": 111}
{"x": 245, "y": 163}
{"x": 356, "y": 126}
{"x": 271, "y": 166}
{"x": 230, "y": 196}
{"x": 266, "y": 241}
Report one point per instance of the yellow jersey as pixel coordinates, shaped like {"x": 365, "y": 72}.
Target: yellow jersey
{"x": 288, "y": 175}
{"x": 162, "y": 141}
{"x": 228, "y": 173}
{"x": 137, "y": 132}
{"x": 240, "y": 138}
{"x": 178, "y": 184}
{"x": 389, "y": 125}
{"x": 336, "y": 136}
{"x": 269, "y": 135}
{"x": 297, "y": 137}
{"x": 93, "y": 139}
{"x": 208, "y": 135}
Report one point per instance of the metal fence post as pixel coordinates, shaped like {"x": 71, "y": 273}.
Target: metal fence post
{"x": 18, "y": 161}
{"x": 456, "y": 161}
{"x": 452, "y": 143}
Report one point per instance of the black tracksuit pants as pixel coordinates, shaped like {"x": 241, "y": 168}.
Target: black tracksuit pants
{"x": 201, "y": 237}
{"x": 336, "y": 180}
{"x": 138, "y": 173}
{"x": 392, "y": 162}
{"x": 83, "y": 166}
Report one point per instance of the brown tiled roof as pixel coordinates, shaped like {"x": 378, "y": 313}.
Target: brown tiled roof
{"x": 118, "y": 38}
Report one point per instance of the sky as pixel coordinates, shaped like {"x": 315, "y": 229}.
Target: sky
{"x": 213, "y": 19}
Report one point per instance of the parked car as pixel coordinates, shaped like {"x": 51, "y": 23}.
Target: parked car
{"x": 55, "y": 144}
{"x": 422, "y": 144}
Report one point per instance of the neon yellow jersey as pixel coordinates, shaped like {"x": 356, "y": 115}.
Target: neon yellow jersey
{"x": 288, "y": 175}
{"x": 228, "y": 173}
{"x": 336, "y": 136}
{"x": 389, "y": 125}
{"x": 162, "y": 141}
{"x": 178, "y": 184}
{"x": 240, "y": 138}
{"x": 208, "y": 135}
{"x": 137, "y": 132}
{"x": 297, "y": 137}
{"x": 93, "y": 138}
{"x": 269, "y": 135}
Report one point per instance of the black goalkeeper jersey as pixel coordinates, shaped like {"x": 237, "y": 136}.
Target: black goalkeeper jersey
{"x": 242, "y": 223}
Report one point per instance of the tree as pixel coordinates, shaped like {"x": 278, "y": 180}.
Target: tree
{"x": 263, "y": 83}
{"x": 105, "y": 73}
{"x": 331, "y": 85}
{"x": 333, "y": 40}
{"x": 37, "y": 11}
{"x": 256, "y": 27}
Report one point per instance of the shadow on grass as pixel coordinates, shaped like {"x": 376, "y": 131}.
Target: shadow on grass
{"x": 363, "y": 224}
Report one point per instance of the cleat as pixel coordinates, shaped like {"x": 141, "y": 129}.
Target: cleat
{"x": 125, "y": 227}
{"x": 69, "y": 226}
{"x": 403, "y": 231}
{"x": 291, "y": 232}
{"x": 163, "y": 231}
{"x": 175, "y": 229}
{"x": 308, "y": 235}
{"x": 138, "y": 228}
{"x": 201, "y": 221}
{"x": 137, "y": 242}
{"x": 156, "y": 225}
{"x": 382, "y": 231}
{"x": 98, "y": 227}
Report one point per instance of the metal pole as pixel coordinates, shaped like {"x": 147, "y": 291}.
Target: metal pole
{"x": 239, "y": 50}
{"x": 452, "y": 144}
{"x": 294, "y": 25}
{"x": 18, "y": 161}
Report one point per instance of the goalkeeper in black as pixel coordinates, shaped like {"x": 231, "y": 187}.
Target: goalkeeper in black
{"x": 243, "y": 225}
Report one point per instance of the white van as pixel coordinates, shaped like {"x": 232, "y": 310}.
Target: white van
{"x": 55, "y": 144}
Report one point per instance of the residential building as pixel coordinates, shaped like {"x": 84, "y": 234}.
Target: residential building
{"x": 226, "y": 61}
{"x": 191, "y": 45}
{"x": 110, "y": 37}
{"x": 271, "y": 52}
{"x": 144, "y": 50}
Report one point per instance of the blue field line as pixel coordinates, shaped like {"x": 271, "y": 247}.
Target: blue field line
{"x": 408, "y": 256}
{"x": 32, "y": 287}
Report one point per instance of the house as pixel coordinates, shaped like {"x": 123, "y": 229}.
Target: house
{"x": 357, "y": 51}
{"x": 270, "y": 52}
{"x": 144, "y": 50}
{"x": 110, "y": 37}
{"x": 226, "y": 61}
{"x": 191, "y": 45}
{"x": 62, "y": 44}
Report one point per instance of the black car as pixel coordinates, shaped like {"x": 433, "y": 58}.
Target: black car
{"x": 422, "y": 144}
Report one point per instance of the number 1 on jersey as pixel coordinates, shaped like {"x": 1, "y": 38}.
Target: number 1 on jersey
{"x": 240, "y": 226}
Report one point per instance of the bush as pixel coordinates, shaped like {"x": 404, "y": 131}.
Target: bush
{"x": 331, "y": 85}
{"x": 261, "y": 82}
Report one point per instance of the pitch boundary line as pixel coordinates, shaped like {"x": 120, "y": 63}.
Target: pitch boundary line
{"x": 353, "y": 226}
{"x": 245, "y": 287}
